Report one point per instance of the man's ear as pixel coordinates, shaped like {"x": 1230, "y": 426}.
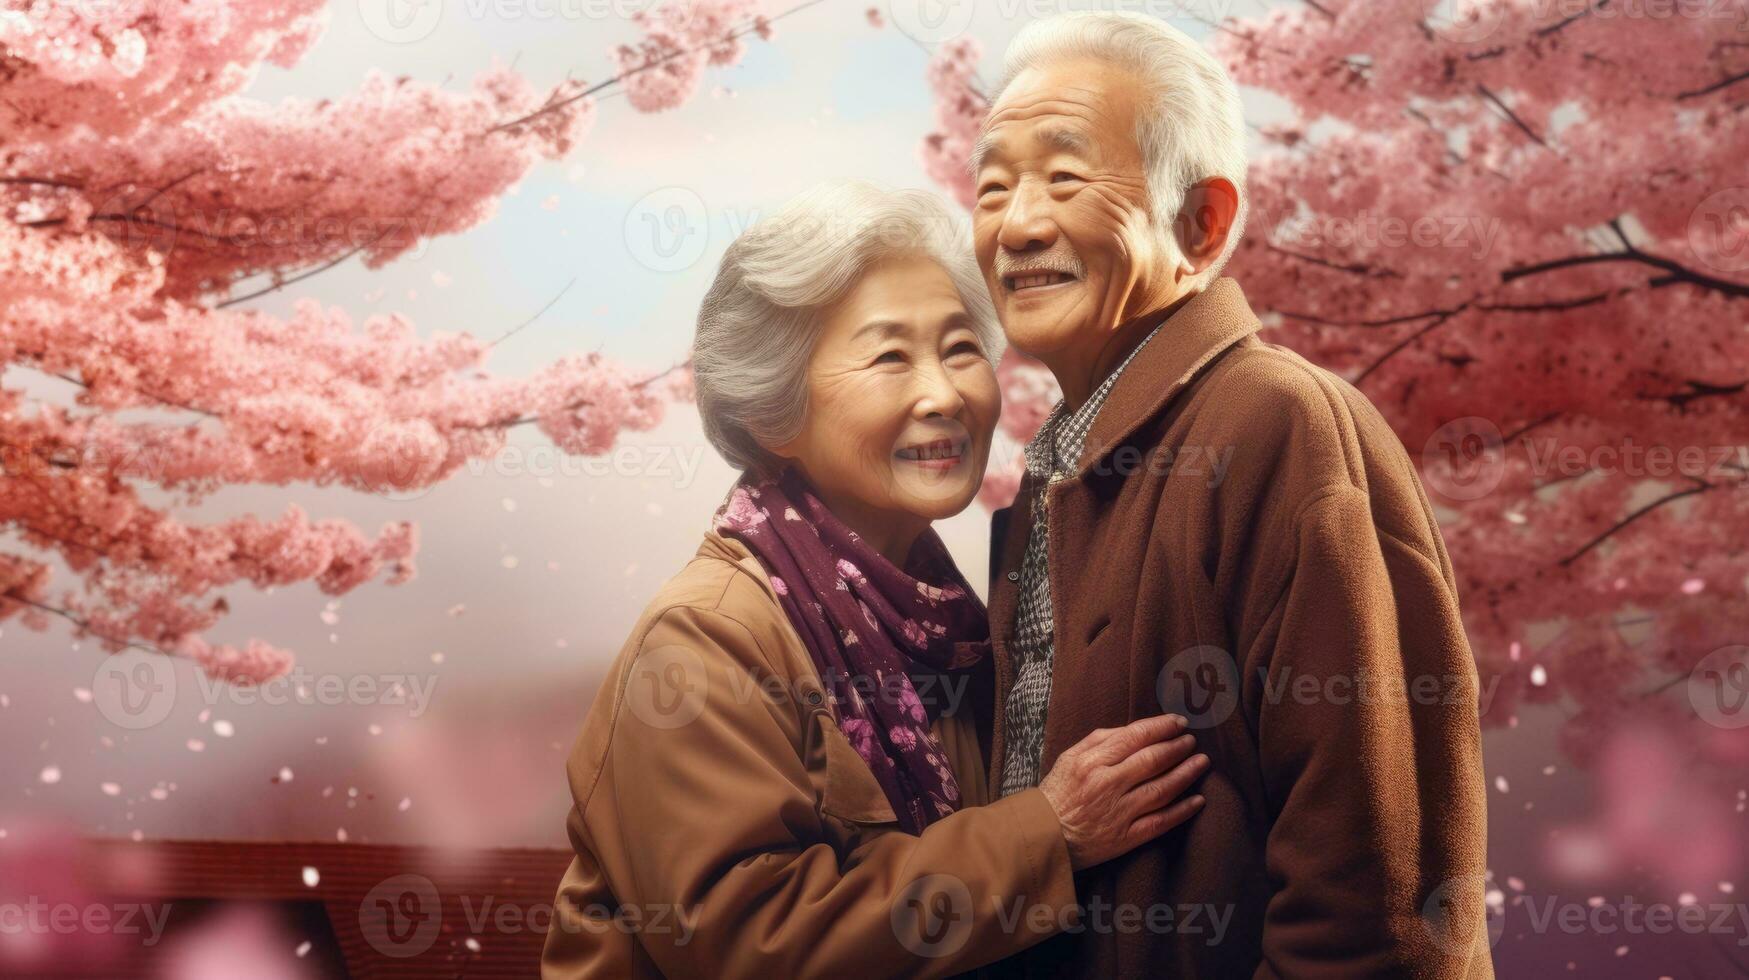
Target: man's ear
{"x": 1204, "y": 222}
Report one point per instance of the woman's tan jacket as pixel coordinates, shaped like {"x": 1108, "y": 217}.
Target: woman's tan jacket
{"x": 724, "y": 827}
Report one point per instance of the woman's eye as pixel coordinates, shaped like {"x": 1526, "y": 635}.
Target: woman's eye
{"x": 1061, "y": 176}
{"x": 890, "y": 357}
{"x": 965, "y": 347}
{"x": 990, "y": 188}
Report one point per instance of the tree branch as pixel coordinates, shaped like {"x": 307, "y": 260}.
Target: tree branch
{"x": 1491, "y": 97}
{"x": 1700, "y": 487}
{"x": 622, "y": 76}
{"x": 1722, "y": 83}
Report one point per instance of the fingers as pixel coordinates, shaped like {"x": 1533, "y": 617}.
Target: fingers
{"x": 1123, "y": 742}
{"x": 1151, "y": 825}
{"x": 1163, "y": 789}
{"x": 1152, "y": 760}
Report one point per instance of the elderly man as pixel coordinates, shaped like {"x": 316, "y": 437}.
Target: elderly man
{"x": 1211, "y": 526}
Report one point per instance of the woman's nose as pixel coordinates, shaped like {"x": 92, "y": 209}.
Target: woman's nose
{"x": 937, "y": 393}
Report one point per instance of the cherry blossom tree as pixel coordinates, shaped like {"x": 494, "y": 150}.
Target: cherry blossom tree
{"x": 1522, "y": 230}
{"x": 146, "y": 201}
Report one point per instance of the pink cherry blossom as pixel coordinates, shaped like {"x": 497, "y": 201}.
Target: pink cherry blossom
{"x": 147, "y": 201}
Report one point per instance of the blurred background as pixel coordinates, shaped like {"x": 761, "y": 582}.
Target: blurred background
{"x": 399, "y": 709}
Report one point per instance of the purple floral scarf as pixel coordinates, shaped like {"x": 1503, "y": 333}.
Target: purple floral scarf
{"x": 869, "y": 626}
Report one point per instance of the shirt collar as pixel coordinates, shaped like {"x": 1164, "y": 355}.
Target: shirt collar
{"x": 1056, "y": 448}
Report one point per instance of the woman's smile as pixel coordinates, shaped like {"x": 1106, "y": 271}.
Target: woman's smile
{"x": 936, "y": 455}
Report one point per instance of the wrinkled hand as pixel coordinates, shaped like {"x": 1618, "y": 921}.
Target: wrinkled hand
{"x": 1119, "y": 788}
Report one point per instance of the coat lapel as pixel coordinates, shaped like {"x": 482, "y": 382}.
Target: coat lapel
{"x": 1207, "y": 324}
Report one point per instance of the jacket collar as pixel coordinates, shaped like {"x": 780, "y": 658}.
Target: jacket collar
{"x": 724, "y": 548}
{"x": 1207, "y": 324}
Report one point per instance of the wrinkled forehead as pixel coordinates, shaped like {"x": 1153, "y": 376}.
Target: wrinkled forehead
{"x": 1055, "y": 109}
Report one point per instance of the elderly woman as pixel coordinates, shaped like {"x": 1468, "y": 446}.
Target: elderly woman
{"x": 783, "y": 774}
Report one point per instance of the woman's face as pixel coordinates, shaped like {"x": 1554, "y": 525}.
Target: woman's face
{"x": 901, "y": 402}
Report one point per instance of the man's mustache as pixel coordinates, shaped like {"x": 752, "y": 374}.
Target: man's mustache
{"x": 1058, "y": 258}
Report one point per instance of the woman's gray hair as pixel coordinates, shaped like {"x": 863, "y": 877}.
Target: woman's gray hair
{"x": 759, "y": 322}
{"x": 1192, "y": 127}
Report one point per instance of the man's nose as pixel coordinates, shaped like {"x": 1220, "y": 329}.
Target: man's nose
{"x": 1027, "y": 224}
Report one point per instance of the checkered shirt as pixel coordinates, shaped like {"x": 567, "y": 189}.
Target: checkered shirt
{"x": 1051, "y": 456}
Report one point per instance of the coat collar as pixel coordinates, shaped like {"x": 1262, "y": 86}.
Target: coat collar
{"x": 732, "y": 550}
{"x": 1207, "y": 324}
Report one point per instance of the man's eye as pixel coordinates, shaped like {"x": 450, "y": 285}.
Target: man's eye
{"x": 1063, "y": 175}
{"x": 890, "y": 357}
{"x": 990, "y": 188}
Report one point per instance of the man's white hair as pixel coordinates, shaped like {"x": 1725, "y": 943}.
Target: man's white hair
{"x": 760, "y": 320}
{"x": 1191, "y": 128}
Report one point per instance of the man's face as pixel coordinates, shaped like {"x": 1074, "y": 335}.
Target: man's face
{"x": 1061, "y": 223}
